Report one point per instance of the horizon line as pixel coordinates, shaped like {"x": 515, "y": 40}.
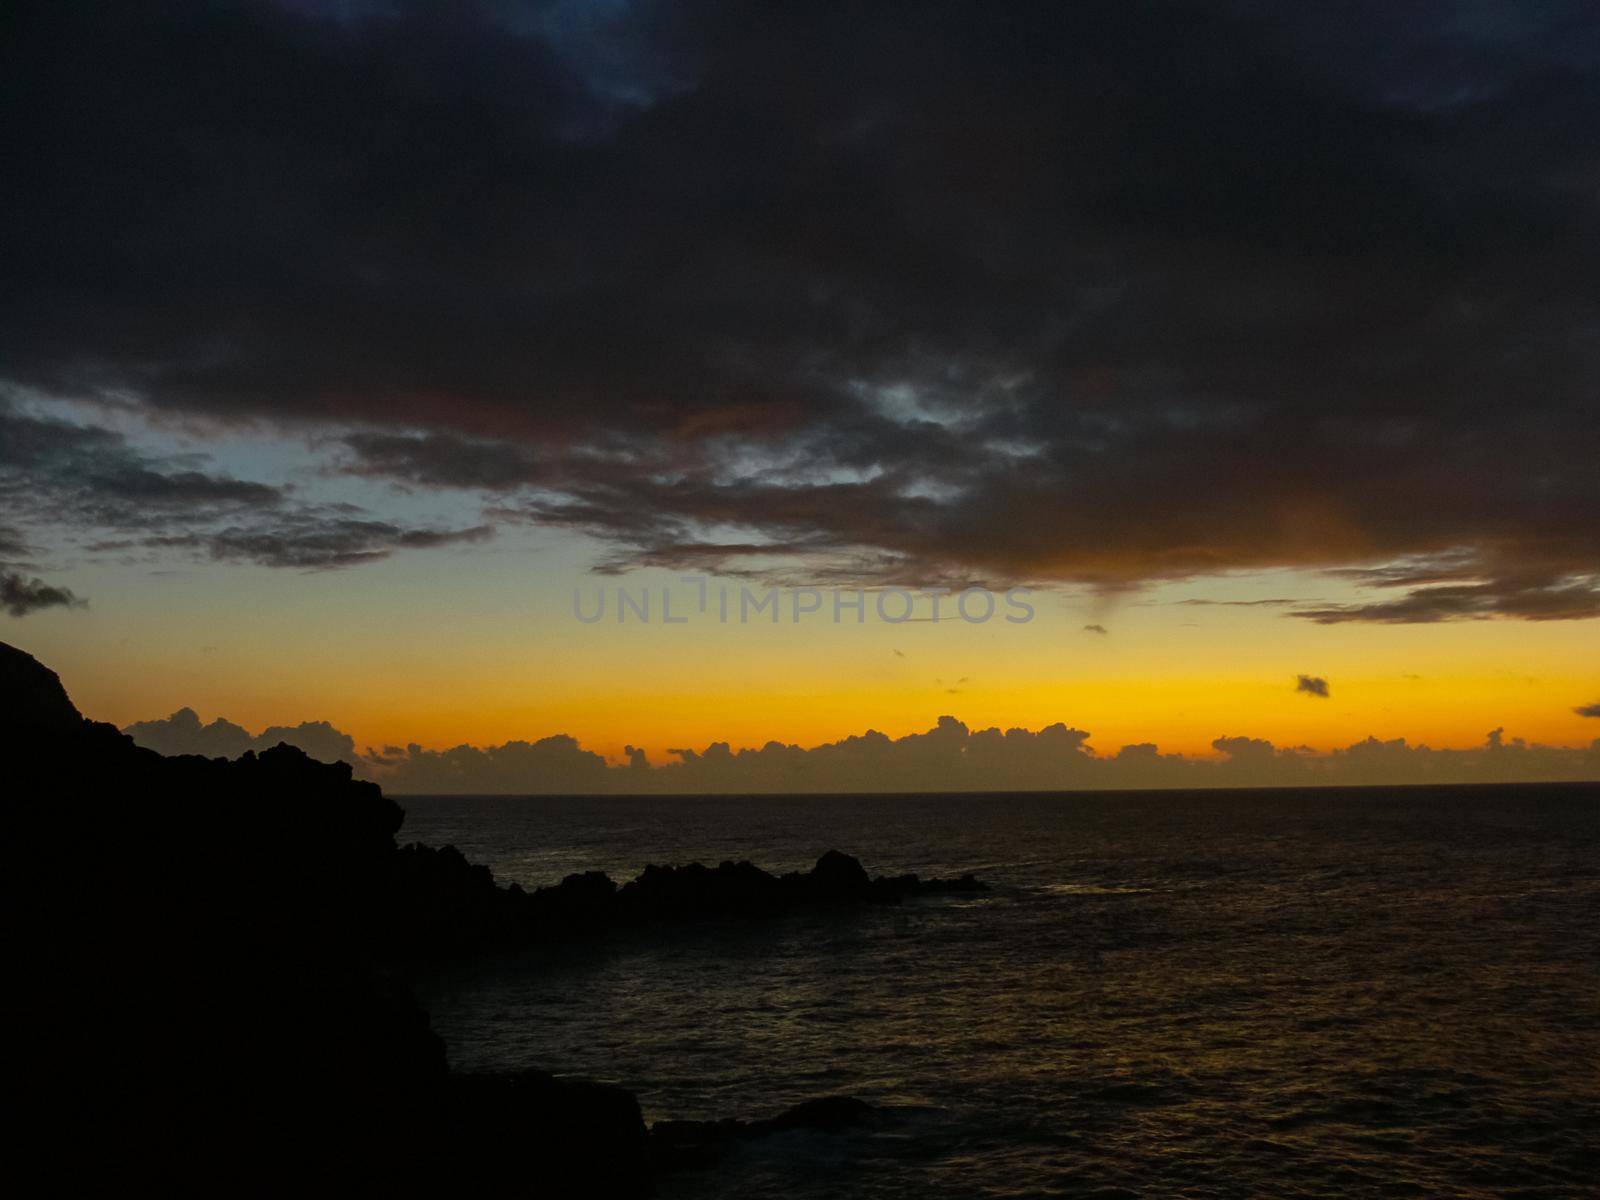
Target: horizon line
{"x": 1321, "y": 786}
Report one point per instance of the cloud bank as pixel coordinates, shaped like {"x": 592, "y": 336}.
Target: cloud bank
{"x": 183, "y": 733}
{"x": 61, "y": 472}
{"x": 950, "y": 757}
{"x": 1192, "y": 287}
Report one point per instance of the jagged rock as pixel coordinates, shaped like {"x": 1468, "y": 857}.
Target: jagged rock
{"x": 197, "y": 938}
{"x": 444, "y": 904}
{"x": 35, "y": 700}
{"x": 839, "y": 877}
{"x": 690, "y": 1145}
{"x": 910, "y": 885}
{"x": 440, "y": 903}
{"x": 205, "y": 942}
{"x": 567, "y": 1137}
{"x": 830, "y": 1114}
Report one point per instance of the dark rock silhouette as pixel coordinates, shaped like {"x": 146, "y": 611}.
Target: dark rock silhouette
{"x": 202, "y": 946}
{"x": 828, "y": 1113}
{"x": 38, "y": 703}
{"x": 838, "y": 876}
{"x": 193, "y": 938}
{"x": 518, "y": 1126}
{"x": 196, "y": 941}
{"x": 689, "y": 1145}
{"x": 445, "y": 905}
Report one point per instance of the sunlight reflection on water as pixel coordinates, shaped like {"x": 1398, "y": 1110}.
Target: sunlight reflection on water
{"x": 1292, "y": 994}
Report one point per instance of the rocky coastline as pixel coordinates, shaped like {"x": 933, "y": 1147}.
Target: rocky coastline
{"x": 214, "y": 958}
{"x": 444, "y": 905}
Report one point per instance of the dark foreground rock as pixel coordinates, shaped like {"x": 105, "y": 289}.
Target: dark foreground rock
{"x": 198, "y": 1003}
{"x": 691, "y": 1145}
{"x": 533, "y": 1126}
{"x": 443, "y": 904}
{"x": 202, "y": 1003}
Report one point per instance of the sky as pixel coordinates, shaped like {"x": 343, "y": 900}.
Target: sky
{"x": 343, "y": 345}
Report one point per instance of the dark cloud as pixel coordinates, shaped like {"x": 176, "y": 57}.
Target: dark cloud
{"x": 21, "y": 595}
{"x": 1094, "y": 629}
{"x": 1311, "y": 685}
{"x": 317, "y": 738}
{"x": 1275, "y": 602}
{"x": 1244, "y": 749}
{"x": 1588, "y": 710}
{"x": 1190, "y": 288}
{"x": 552, "y": 765}
{"x": 322, "y": 542}
{"x": 54, "y": 471}
{"x": 442, "y": 460}
{"x": 310, "y": 540}
{"x": 948, "y": 757}
{"x": 67, "y": 472}
{"x": 183, "y": 733}
{"x": 1569, "y": 597}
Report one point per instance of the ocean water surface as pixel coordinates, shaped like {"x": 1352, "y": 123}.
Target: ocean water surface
{"x": 1207, "y": 994}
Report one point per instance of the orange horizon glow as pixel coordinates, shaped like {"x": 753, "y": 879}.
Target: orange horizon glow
{"x": 1180, "y": 715}
{"x": 403, "y": 652}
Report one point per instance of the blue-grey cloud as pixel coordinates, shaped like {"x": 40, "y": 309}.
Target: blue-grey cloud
{"x": 1197, "y": 286}
{"x": 56, "y": 473}
{"x": 21, "y": 594}
{"x": 184, "y": 733}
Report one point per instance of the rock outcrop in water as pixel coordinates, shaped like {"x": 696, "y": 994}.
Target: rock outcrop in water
{"x": 540, "y": 1135}
{"x": 689, "y": 1145}
{"x": 444, "y": 904}
{"x": 202, "y": 1001}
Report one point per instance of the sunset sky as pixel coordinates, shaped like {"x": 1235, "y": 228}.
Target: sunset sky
{"x": 342, "y": 342}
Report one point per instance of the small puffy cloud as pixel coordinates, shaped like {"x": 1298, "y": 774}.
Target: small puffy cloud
{"x": 1588, "y": 710}
{"x": 1311, "y": 685}
{"x": 22, "y": 594}
{"x": 319, "y": 739}
{"x": 1095, "y": 629}
{"x": 1242, "y": 749}
{"x": 184, "y": 733}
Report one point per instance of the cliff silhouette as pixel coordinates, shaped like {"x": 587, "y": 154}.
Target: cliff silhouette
{"x": 207, "y": 952}
{"x": 206, "y": 1005}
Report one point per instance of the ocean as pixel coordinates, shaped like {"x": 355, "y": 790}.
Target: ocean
{"x": 1376, "y": 992}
